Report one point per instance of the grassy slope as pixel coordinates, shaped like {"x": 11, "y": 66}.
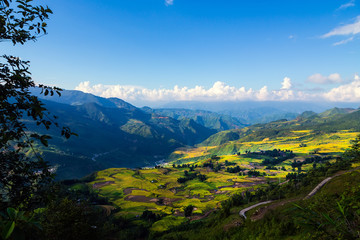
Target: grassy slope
{"x": 286, "y": 221}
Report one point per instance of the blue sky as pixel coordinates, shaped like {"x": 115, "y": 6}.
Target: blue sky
{"x": 134, "y": 48}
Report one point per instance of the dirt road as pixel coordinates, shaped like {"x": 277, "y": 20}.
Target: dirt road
{"x": 262, "y": 211}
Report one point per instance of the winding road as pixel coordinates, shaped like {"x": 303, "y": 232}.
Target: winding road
{"x": 242, "y": 212}
{"x": 317, "y": 188}
{"x": 312, "y": 193}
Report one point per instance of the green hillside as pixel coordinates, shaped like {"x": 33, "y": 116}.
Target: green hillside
{"x": 330, "y": 121}
{"x": 336, "y": 111}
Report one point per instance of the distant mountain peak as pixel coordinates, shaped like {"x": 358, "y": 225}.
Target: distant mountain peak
{"x": 75, "y": 98}
{"x": 335, "y": 111}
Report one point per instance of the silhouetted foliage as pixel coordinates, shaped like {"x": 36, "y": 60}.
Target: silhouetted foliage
{"x": 22, "y": 176}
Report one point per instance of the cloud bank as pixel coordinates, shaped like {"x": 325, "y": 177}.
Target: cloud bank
{"x": 345, "y": 93}
{"x": 220, "y": 91}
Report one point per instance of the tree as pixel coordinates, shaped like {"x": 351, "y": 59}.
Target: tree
{"x": 188, "y": 210}
{"x": 354, "y": 152}
{"x": 21, "y": 176}
{"x": 202, "y": 177}
{"x": 226, "y": 207}
{"x": 20, "y": 21}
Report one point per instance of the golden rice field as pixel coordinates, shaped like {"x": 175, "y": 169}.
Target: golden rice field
{"x": 157, "y": 189}
{"x": 193, "y": 152}
{"x": 327, "y": 143}
{"x": 138, "y": 190}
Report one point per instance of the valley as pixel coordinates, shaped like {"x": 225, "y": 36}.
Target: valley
{"x": 168, "y": 169}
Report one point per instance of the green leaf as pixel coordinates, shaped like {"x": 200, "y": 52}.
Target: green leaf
{"x": 329, "y": 219}
{"x": 8, "y": 230}
{"x": 35, "y": 135}
{"x": 298, "y": 206}
{"x": 44, "y": 140}
{"x": 342, "y": 210}
{"x": 11, "y": 213}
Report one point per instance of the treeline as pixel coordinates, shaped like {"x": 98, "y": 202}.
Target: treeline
{"x": 275, "y": 156}
{"x": 314, "y": 159}
{"x": 191, "y": 166}
{"x": 190, "y": 176}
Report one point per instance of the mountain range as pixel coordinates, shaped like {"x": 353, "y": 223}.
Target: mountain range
{"x": 114, "y": 133}
{"x": 253, "y": 112}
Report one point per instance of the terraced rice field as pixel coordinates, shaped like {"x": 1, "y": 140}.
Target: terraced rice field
{"x": 301, "y": 142}
{"x": 158, "y": 190}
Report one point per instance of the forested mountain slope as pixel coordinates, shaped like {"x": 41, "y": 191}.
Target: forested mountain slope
{"x": 328, "y": 121}
{"x": 212, "y": 120}
{"x": 114, "y": 137}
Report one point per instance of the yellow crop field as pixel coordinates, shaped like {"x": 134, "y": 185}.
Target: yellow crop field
{"x": 158, "y": 189}
{"x": 161, "y": 191}
{"x": 302, "y": 143}
{"x": 193, "y": 152}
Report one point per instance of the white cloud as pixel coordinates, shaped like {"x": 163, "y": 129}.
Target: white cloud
{"x": 220, "y": 91}
{"x": 345, "y": 93}
{"x": 349, "y": 29}
{"x": 343, "y": 41}
{"x": 262, "y": 94}
{"x": 169, "y": 2}
{"x": 286, "y": 84}
{"x": 291, "y": 37}
{"x": 320, "y": 79}
{"x": 347, "y": 5}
